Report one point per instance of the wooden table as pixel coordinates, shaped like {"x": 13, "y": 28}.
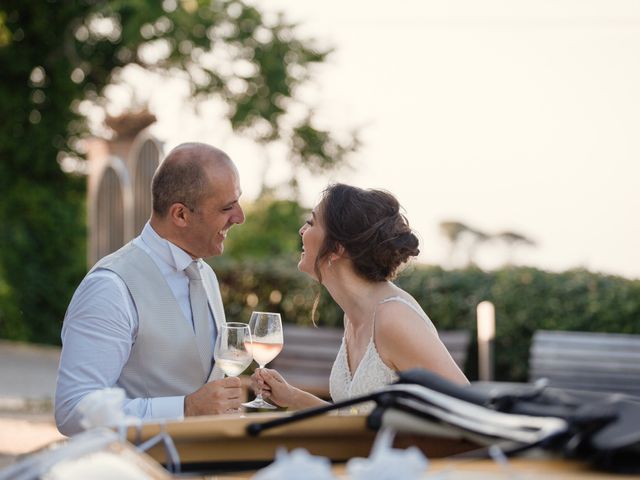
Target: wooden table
{"x": 215, "y": 443}
{"x": 519, "y": 468}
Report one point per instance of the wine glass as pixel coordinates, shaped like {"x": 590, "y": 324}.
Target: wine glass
{"x": 232, "y": 352}
{"x": 266, "y": 332}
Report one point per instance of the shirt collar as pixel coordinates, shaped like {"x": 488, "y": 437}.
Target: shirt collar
{"x": 166, "y": 251}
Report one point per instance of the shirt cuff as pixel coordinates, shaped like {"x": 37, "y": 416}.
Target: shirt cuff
{"x": 168, "y": 407}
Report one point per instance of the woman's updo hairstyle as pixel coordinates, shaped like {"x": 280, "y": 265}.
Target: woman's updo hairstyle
{"x": 368, "y": 224}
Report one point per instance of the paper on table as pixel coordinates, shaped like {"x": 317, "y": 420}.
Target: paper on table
{"x": 295, "y": 465}
{"x": 387, "y": 463}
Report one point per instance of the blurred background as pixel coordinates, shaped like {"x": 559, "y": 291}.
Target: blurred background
{"x": 507, "y": 129}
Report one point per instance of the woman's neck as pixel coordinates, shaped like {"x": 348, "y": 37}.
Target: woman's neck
{"x": 356, "y": 296}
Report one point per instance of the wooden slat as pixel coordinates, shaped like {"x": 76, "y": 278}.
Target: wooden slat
{"x": 457, "y": 342}
{"x": 587, "y": 365}
{"x": 292, "y": 332}
{"x": 594, "y": 339}
{"x": 587, "y": 361}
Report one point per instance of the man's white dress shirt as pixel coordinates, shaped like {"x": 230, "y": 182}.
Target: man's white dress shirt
{"x": 100, "y": 327}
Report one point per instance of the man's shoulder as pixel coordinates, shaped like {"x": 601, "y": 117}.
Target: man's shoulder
{"x": 101, "y": 280}
{"x": 100, "y": 290}
{"x": 123, "y": 257}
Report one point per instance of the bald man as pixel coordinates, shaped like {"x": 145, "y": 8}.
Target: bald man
{"x": 131, "y": 324}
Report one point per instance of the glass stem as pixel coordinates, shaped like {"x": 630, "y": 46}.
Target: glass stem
{"x": 259, "y": 392}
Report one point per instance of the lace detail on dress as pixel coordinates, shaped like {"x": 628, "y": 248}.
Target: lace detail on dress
{"x": 371, "y": 374}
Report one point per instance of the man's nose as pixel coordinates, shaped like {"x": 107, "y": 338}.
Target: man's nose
{"x": 239, "y": 217}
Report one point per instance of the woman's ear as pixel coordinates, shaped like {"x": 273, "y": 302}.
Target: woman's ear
{"x": 339, "y": 253}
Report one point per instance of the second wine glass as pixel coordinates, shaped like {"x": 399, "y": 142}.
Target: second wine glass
{"x": 266, "y": 332}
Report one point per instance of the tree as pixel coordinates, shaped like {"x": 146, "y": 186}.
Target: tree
{"x": 513, "y": 240}
{"x": 453, "y": 231}
{"x": 56, "y": 54}
{"x": 465, "y": 239}
{"x": 461, "y": 236}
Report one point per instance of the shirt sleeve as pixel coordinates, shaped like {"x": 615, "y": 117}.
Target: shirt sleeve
{"x": 99, "y": 329}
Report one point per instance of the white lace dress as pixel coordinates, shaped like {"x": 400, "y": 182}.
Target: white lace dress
{"x": 371, "y": 374}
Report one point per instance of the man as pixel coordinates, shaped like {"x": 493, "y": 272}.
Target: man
{"x": 140, "y": 320}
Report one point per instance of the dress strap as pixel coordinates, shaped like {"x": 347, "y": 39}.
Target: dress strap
{"x": 397, "y": 298}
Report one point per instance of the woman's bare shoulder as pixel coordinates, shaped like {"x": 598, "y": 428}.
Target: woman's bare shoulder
{"x": 397, "y": 320}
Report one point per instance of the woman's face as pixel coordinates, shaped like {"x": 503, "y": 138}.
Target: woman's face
{"x": 313, "y": 235}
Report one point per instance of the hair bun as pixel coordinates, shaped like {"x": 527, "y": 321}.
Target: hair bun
{"x": 397, "y": 248}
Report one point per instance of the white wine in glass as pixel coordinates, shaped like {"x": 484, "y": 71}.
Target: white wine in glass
{"x": 266, "y": 333}
{"x": 232, "y": 352}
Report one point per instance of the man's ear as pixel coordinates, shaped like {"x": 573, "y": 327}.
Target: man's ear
{"x": 179, "y": 214}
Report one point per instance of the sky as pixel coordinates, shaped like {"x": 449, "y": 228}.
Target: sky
{"x": 504, "y": 115}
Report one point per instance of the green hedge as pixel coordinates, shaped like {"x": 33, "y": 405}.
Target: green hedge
{"x": 526, "y": 299}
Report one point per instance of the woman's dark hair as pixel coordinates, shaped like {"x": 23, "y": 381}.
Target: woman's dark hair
{"x": 368, "y": 224}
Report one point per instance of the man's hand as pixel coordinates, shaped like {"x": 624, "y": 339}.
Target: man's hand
{"x": 219, "y": 396}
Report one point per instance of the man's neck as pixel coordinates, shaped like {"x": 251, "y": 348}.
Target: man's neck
{"x": 164, "y": 229}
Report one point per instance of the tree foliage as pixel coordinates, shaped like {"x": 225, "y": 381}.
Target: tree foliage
{"x": 54, "y": 54}
{"x": 270, "y": 230}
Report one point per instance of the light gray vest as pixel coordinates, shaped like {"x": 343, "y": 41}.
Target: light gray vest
{"x": 164, "y": 358}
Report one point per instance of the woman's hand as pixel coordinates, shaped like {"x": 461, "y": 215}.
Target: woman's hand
{"x": 273, "y": 387}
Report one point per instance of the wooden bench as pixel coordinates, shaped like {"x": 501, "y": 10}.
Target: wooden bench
{"x": 605, "y": 362}
{"x": 308, "y": 354}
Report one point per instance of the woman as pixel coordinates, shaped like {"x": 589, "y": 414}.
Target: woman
{"x": 353, "y": 244}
